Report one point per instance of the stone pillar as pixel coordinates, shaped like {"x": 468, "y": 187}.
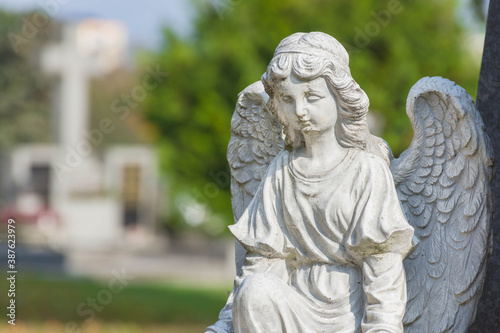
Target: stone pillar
{"x": 488, "y": 104}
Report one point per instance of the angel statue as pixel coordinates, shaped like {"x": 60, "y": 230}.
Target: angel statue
{"x": 333, "y": 233}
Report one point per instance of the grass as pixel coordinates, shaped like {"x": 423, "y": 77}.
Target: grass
{"x": 56, "y": 304}
{"x": 98, "y": 327}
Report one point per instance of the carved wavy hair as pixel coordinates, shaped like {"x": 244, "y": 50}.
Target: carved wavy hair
{"x": 324, "y": 57}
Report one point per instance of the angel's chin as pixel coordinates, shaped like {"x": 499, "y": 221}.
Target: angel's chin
{"x": 307, "y": 130}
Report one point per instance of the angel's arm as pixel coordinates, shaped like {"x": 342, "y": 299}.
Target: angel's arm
{"x": 264, "y": 255}
{"x": 385, "y": 289}
{"x": 379, "y": 240}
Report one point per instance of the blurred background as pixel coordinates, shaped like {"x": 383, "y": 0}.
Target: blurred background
{"x": 114, "y": 124}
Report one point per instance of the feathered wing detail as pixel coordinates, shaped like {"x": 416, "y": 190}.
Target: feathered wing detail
{"x": 443, "y": 183}
{"x": 256, "y": 138}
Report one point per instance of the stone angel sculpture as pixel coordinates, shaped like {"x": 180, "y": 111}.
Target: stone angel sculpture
{"x": 334, "y": 234}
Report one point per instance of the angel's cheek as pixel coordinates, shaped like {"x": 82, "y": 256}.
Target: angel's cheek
{"x": 291, "y": 120}
{"x": 296, "y": 125}
{"x": 284, "y": 114}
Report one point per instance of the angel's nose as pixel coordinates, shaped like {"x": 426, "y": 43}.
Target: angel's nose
{"x": 300, "y": 110}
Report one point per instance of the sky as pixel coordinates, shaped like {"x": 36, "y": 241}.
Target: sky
{"x": 143, "y": 18}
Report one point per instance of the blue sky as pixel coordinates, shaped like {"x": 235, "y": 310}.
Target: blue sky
{"x": 143, "y": 18}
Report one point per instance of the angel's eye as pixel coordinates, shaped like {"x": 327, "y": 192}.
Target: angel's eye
{"x": 313, "y": 98}
{"x": 286, "y": 99}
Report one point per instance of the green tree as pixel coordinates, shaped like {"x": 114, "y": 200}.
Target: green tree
{"x": 25, "y": 94}
{"x": 392, "y": 44}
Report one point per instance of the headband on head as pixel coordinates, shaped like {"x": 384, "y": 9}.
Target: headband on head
{"x": 309, "y": 51}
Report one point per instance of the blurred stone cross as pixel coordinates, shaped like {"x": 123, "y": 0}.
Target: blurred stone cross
{"x": 488, "y": 104}
{"x": 84, "y": 52}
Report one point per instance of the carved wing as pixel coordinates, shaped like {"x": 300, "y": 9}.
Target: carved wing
{"x": 255, "y": 140}
{"x": 443, "y": 183}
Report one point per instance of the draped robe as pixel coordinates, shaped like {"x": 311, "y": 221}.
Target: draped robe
{"x": 324, "y": 252}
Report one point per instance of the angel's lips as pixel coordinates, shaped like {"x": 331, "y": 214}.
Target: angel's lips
{"x": 305, "y": 122}
{"x": 307, "y": 126}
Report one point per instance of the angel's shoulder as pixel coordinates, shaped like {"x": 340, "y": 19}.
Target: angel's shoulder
{"x": 283, "y": 157}
{"x": 370, "y": 162}
{"x": 279, "y": 162}
{"x": 369, "y": 172}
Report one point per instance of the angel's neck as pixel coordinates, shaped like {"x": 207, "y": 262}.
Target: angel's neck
{"x": 322, "y": 146}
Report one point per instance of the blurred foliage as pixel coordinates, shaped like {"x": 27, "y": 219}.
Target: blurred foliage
{"x": 478, "y": 7}
{"x": 26, "y": 101}
{"x": 109, "y": 93}
{"x": 392, "y": 44}
{"x": 25, "y": 114}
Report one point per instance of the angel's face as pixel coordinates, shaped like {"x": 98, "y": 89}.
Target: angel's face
{"x": 306, "y": 106}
